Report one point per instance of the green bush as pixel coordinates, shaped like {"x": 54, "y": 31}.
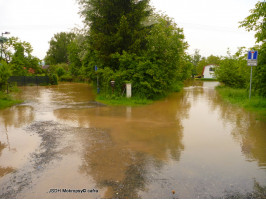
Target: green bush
{"x": 233, "y": 70}
{"x": 6, "y": 100}
{"x": 259, "y": 80}
{"x": 154, "y": 71}
{"x": 60, "y": 71}
{"x": 5, "y": 73}
{"x": 67, "y": 78}
{"x": 240, "y": 97}
{"x": 53, "y": 79}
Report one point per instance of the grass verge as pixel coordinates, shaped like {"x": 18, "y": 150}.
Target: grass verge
{"x": 7, "y": 101}
{"x": 240, "y": 97}
{"x": 206, "y": 79}
{"x": 114, "y": 100}
{"x": 122, "y": 101}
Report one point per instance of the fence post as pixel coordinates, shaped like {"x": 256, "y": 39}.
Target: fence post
{"x": 36, "y": 79}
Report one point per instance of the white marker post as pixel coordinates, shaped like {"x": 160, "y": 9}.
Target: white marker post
{"x": 128, "y": 86}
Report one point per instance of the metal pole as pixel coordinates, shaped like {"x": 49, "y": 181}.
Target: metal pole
{"x": 2, "y": 46}
{"x": 250, "y": 83}
{"x": 98, "y": 89}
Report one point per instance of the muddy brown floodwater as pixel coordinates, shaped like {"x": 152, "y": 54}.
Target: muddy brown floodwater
{"x": 60, "y": 143}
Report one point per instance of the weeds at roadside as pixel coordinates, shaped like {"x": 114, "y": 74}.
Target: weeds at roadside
{"x": 240, "y": 97}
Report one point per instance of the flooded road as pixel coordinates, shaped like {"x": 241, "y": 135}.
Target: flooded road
{"x": 60, "y": 143}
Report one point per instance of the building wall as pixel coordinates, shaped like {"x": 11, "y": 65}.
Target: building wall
{"x": 208, "y": 71}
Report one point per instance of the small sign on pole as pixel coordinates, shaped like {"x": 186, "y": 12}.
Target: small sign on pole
{"x": 252, "y": 58}
{"x": 252, "y": 61}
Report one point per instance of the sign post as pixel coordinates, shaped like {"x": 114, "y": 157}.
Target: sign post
{"x": 252, "y": 61}
{"x": 98, "y": 89}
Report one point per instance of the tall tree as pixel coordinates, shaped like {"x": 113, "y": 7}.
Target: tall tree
{"x": 233, "y": 71}
{"x": 5, "y": 73}
{"x": 215, "y": 60}
{"x": 19, "y": 55}
{"x": 195, "y": 59}
{"x": 115, "y": 26}
{"x": 76, "y": 51}
{"x": 256, "y": 21}
{"x": 57, "y": 52}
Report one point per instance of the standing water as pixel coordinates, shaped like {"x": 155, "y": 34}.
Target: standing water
{"x": 60, "y": 143}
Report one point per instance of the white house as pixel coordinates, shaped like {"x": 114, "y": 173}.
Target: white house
{"x": 208, "y": 71}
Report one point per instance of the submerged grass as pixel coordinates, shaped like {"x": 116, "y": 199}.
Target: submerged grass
{"x": 114, "y": 100}
{"x": 240, "y": 97}
{"x": 6, "y": 100}
{"x": 122, "y": 101}
{"x": 206, "y": 79}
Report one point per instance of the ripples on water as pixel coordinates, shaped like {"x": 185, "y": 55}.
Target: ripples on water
{"x": 191, "y": 143}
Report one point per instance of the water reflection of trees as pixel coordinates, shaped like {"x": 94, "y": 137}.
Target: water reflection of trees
{"x": 118, "y": 169}
{"x": 4, "y": 170}
{"x": 128, "y": 141}
{"x": 246, "y": 130}
{"x": 72, "y": 92}
{"x": 16, "y": 116}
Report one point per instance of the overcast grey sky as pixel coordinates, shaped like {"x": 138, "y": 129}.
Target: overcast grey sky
{"x": 209, "y": 25}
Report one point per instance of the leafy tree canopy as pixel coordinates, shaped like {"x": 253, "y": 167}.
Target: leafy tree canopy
{"x": 256, "y": 21}
{"x": 57, "y": 52}
{"x": 115, "y": 26}
{"x": 19, "y": 56}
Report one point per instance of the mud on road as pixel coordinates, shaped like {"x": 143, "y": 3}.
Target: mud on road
{"x": 53, "y": 147}
{"x": 188, "y": 145}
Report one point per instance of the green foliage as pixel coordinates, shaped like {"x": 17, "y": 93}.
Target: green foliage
{"x": 57, "y": 52}
{"x": 53, "y": 79}
{"x": 240, "y": 97}
{"x": 76, "y": 53}
{"x": 233, "y": 70}
{"x": 18, "y": 55}
{"x": 7, "y": 101}
{"x": 60, "y": 71}
{"x": 117, "y": 101}
{"x": 5, "y": 73}
{"x": 211, "y": 60}
{"x": 195, "y": 59}
{"x": 259, "y": 80}
{"x": 67, "y": 51}
{"x": 160, "y": 68}
{"x": 115, "y": 26}
{"x": 128, "y": 44}
{"x": 66, "y": 77}
{"x": 54, "y": 68}
{"x": 207, "y": 79}
{"x": 256, "y": 21}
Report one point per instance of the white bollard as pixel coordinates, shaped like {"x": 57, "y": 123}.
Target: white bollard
{"x": 128, "y": 85}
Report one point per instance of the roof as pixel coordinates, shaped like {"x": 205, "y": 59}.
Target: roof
{"x": 45, "y": 66}
{"x": 207, "y": 66}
